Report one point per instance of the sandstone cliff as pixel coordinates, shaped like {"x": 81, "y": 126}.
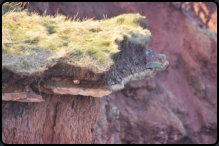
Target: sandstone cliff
{"x": 178, "y": 105}
{"x": 60, "y": 67}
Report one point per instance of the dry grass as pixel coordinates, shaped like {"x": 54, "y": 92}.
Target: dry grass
{"x": 87, "y": 43}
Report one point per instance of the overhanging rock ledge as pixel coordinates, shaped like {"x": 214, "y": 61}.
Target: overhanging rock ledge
{"x": 61, "y": 73}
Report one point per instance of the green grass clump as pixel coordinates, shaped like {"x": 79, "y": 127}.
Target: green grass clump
{"x": 89, "y": 42}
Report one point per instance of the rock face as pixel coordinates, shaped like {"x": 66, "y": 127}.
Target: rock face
{"x": 33, "y": 72}
{"x": 59, "y": 119}
{"x": 180, "y": 104}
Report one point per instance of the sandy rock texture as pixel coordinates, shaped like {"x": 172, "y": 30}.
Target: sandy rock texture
{"x": 63, "y": 115}
{"x": 64, "y": 119}
{"x": 179, "y": 105}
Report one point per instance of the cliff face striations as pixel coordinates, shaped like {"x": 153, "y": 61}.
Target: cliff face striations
{"x": 178, "y": 105}
{"x": 55, "y": 70}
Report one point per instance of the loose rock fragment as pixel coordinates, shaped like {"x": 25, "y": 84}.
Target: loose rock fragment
{"x": 22, "y": 97}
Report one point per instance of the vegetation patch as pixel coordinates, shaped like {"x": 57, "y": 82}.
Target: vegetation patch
{"x": 41, "y": 40}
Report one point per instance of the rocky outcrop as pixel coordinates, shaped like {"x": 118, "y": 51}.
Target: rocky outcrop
{"x": 180, "y": 104}
{"x": 56, "y": 80}
{"x": 85, "y": 66}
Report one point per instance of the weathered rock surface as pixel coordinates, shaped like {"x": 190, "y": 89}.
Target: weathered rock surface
{"x": 22, "y": 97}
{"x": 180, "y": 104}
{"x": 61, "y": 117}
{"x": 107, "y": 128}
{"x": 73, "y": 70}
{"x": 183, "y": 99}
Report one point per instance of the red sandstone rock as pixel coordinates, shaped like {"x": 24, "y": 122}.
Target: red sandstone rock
{"x": 22, "y": 97}
{"x": 51, "y": 121}
{"x": 182, "y": 106}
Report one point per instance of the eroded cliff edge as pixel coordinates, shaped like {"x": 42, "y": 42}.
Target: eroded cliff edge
{"x": 186, "y": 93}
{"x": 36, "y": 70}
{"x": 89, "y": 58}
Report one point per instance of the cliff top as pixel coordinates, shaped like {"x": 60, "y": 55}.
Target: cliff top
{"x": 59, "y": 55}
{"x": 32, "y": 43}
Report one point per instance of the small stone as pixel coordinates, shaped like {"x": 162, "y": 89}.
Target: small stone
{"x": 76, "y": 82}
